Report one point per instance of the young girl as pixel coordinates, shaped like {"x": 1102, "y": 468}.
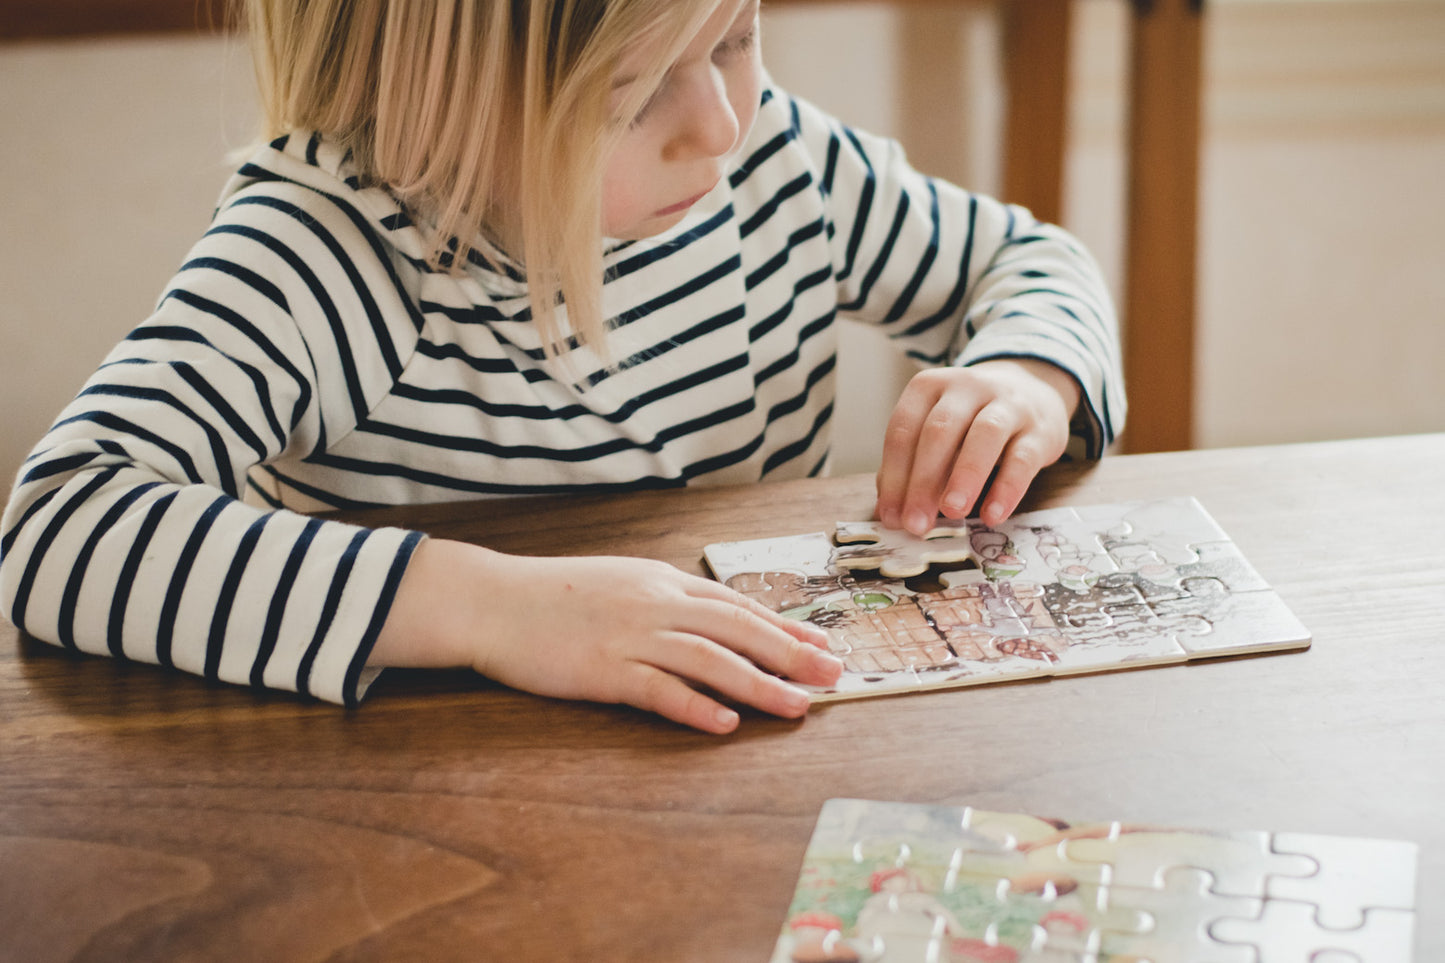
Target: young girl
{"x": 506, "y": 248}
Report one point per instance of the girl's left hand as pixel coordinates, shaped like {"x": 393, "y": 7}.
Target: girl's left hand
{"x": 955, "y": 427}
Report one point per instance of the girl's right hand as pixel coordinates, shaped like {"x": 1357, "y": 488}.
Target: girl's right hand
{"x": 605, "y": 629}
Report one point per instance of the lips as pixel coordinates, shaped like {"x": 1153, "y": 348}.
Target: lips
{"x": 683, "y": 205}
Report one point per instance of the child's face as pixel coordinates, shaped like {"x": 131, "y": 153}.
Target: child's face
{"x": 676, "y": 150}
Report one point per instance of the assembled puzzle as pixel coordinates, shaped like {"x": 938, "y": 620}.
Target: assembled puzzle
{"x": 886, "y": 882}
{"x": 1052, "y": 592}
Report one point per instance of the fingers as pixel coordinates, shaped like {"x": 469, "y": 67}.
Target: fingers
{"x": 959, "y": 435}
{"x": 722, "y": 641}
{"x": 900, "y": 448}
{"x": 1017, "y": 469}
{"x": 668, "y": 685}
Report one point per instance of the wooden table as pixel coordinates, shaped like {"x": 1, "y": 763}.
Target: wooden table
{"x": 146, "y": 815}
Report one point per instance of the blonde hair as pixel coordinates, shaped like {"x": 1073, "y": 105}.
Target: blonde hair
{"x": 483, "y": 117}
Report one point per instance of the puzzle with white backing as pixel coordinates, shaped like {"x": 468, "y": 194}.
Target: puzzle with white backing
{"x": 887, "y": 882}
{"x": 1053, "y": 592}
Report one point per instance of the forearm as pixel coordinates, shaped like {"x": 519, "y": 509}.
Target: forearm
{"x": 439, "y": 611}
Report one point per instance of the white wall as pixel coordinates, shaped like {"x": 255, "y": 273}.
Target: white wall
{"x": 111, "y": 160}
{"x": 1322, "y": 301}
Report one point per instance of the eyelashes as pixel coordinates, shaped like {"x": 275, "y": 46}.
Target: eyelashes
{"x": 737, "y": 45}
{"x": 729, "y": 49}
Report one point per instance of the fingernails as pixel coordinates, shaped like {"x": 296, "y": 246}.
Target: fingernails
{"x": 826, "y": 660}
{"x": 918, "y": 523}
{"x": 796, "y": 701}
{"x": 727, "y": 719}
{"x": 955, "y": 506}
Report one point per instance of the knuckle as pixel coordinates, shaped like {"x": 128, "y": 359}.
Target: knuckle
{"x": 994, "y": 421}
{"x": 653, "y": 690}
{"x": 901, "y": 434}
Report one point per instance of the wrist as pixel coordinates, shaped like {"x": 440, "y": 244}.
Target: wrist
{"x": 434, "y": 622}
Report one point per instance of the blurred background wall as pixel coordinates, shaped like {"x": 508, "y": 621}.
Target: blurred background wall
{"x": 1322, "y": 266}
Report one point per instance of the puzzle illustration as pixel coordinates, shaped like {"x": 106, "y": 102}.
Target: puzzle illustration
{"x": 886, "y": 882}
{"x": 1051, "y": 592}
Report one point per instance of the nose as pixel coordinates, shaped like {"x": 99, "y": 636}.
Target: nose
{"x": 708, "y": 125}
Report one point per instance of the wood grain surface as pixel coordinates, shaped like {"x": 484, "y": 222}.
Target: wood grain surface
{"x": 147, "y": 815}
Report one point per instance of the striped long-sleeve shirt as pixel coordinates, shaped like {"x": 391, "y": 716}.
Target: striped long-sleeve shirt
{"x": 306, "y": 356}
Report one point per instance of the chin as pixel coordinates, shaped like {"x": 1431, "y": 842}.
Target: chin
{"x": 651, "y": 227}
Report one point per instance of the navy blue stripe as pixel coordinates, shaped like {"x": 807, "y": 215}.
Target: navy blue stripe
{"x": 952, "y": 303}
{"x": 482, "y": 446}
{"x": 454, "y": 352}
{"x": 776, "y": 262}
{"x": 763, "y": 327}
{"x": 58, "y": 520}
{"x": 470, "y": 485}
{"x": 260, "y": 491}
{"x": 35, "y": 508}
{"x": 271, "y": 631}
{"x": 339, "y": 577}
{"x": 693, "y": 285}
{"x": 125, "y": 583}
{"x": 765, "y": 211}
{"x": 800, "y": 400}
{"x": 680, "y": 244}
{"x": 864, "y": 210}
{"x": 319, "y": 495}
{"x": 255, "y": 375}
{"x": 925, "y": 263}
{"x": 759, "y": 157}
{"x": 58, "y": 466}
{"x": 226, "y": 600}
{"x": 787, "y": 453}
{"x": 224, "y": 477}
{"x": 703, "y": 328}
{"x": 346, "y": 261}
{"x": 229, "y": 415}
{"x": 378, "y": 617}
{"x": 70, "y": 597}
{"x": 830, "y": 170}
{"x": 244, "y": 275}
{"x": 166, "y": 625}
{"x": 253, "y": 334}
{"x": 703, "y": 422}
{"x": 321, "y": 296}
{"x": 124, "y": 426}
{"x": 880, "y": 260}
{"x": 785, "y": 363}
{"x": 171, "y": 332}
{"x": 382, "y": 251}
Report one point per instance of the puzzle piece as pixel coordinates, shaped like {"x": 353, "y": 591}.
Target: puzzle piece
{"x": 1355, "y": 875}
{"x": 899, "y": 554}
{"x": 1290, "y": 932}
{"x": 1180, "y": 916}
{"x": 1238, "y": 863}
{"x": 906, "y": 883}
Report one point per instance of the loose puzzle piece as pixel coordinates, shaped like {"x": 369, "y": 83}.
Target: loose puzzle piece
{"x": 1053, "y": 592}
{"x": 896, "y": 553}
{"x": 886, "y": 882}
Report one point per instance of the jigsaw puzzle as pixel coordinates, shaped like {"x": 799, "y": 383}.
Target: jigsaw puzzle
{"x": 1051, "y": 592}
{"x": 886, "y": 882}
